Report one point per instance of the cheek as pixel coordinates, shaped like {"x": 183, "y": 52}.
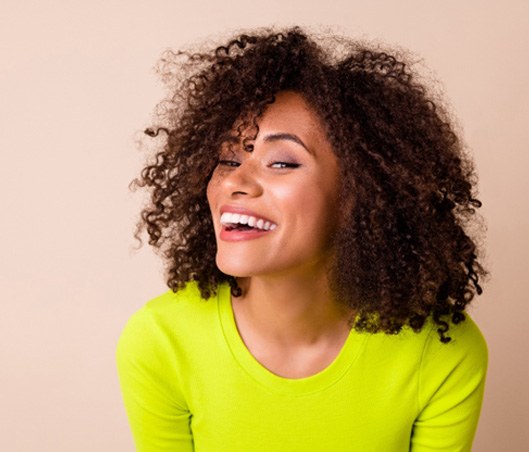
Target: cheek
{"x": 211, "y": 194}
{"x": 306, "y": 203}
{"x": 211, "y": 191}
{"x": 318, "y": 208}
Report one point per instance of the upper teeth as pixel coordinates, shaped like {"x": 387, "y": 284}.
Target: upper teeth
{"x": 228, "y": 218}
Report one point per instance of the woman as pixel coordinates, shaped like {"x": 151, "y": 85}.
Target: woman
{"x": 312, "y": 203}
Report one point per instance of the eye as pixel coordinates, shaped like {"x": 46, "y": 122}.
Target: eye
{"x": 229, "y": 163}
{"x": 285, "y": 165}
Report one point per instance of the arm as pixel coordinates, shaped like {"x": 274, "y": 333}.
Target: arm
{"x": 451, "y": 384}
{"x": 157, "y": 412}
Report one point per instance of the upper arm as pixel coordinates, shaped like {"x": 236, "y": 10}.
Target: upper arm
{"x": 451, "y": 385}
{"x": 158, "y": 416}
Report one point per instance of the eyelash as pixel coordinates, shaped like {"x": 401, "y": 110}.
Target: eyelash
{"x": 286, "y": 165}
{"x": 283, "y": 165}
{"x": 233, "y": 163}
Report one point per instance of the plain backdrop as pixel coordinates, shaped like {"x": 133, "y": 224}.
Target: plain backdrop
{"x": 76, "y": 89}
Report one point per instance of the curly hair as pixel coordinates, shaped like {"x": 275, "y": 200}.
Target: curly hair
{"x": 405, "y": 252}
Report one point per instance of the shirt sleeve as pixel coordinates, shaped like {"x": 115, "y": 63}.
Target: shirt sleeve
{"x": 451, "y": 385}
{"x": 157, "y": 412}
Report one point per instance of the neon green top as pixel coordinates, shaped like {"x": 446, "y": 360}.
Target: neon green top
{"x": 190, "y": 384}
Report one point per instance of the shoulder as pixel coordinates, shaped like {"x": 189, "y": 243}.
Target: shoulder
{"x": 467, "y": 342}
{"x": 459, "y": 365}
{"x": 442, "y": 374}
{"x": 175, "y": 308}
{"x": 164, "y": 320}
{"x": 424, "y": 352}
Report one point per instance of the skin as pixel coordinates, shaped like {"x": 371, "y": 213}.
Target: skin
{"x": 287, "y": 315}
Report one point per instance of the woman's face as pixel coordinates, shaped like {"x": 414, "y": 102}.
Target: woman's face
{"x": 274, "y": 209}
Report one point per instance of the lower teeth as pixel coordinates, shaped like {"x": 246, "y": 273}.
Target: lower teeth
{"x": 239, "y": 228}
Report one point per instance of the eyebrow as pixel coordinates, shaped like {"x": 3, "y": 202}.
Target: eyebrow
{"x": 271, "y": 137}
{"x": 284, "y": 136}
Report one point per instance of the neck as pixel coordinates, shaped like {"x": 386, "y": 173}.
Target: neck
{"x": 291, "y": 311}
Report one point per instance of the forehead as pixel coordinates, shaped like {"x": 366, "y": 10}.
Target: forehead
{"x": 291, "y": 110}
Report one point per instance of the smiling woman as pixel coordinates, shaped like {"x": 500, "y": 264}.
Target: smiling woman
{"x": 313, "y": 207}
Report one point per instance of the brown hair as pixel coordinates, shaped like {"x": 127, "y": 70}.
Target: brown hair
{"x": 404, "y": 252}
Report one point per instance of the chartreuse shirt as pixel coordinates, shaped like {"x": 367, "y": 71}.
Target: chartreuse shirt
{"x": 190, "y": 384}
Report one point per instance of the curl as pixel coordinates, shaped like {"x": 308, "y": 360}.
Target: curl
{"x": 154, "y": 132}
{"x": 404, "y": 251}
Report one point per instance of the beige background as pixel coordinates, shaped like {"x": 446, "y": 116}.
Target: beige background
{"x": 76, "y": 87}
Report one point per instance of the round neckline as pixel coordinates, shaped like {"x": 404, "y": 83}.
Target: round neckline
{"x": 292, "y": 386}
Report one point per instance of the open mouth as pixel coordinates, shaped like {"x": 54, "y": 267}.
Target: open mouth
{"x": 241, "y": 222}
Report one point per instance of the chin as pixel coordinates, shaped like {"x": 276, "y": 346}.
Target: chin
{"x": 236, "y": 269}
{"x": 241, "y": 268}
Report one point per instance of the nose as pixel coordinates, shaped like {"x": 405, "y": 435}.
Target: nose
{"x": 243, "y": 181}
